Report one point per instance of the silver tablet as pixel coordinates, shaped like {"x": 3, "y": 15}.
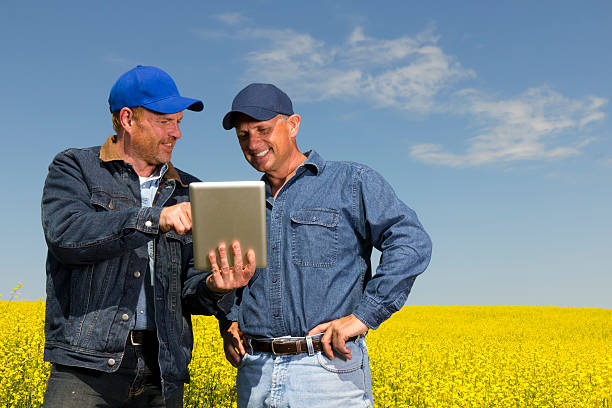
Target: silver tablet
{"x": 228, "y": 211}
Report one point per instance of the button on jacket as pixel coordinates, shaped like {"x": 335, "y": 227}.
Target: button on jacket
{"x": 322, "y": 227}
{"x": 97, "y": 235}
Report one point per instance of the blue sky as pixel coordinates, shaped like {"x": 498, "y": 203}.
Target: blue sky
{"x": 491, "y": 120}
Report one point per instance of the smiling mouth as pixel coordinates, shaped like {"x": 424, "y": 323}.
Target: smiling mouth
{"x": 261, "y": 154}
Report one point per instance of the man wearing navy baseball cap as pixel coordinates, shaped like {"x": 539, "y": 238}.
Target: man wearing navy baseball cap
{"x": 297, "y": 331}
{"x": 121, "y": 285}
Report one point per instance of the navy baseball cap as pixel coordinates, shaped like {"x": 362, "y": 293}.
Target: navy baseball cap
{"x": 259, "y": 101}
{"x": 151, "y": 88}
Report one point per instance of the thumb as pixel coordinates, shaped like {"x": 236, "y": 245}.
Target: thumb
{"x": 318, "y": 329}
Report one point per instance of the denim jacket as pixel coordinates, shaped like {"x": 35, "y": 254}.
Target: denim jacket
{"x": 322, "y": 227}
{"x": 97, "y": 234}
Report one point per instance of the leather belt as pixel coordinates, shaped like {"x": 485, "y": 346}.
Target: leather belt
{"x": 142, "y": 337}
{"x": 281, "y": 346}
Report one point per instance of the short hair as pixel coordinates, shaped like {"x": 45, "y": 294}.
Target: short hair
{"x": 137, "y": 111}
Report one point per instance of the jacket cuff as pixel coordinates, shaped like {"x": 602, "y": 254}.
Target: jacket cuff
{"x": 371, "y": 313}
{"x": 206, "y": 293}
{"x": 147, "y": 220}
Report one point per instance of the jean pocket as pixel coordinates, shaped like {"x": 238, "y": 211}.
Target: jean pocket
{"x": 243, "y": 361}
{"x": 343, "y": 365}
{"x": 314, "y": 237}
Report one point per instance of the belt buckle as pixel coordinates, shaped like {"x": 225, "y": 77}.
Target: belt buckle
{"x": 132, "y": 339}
{"x": 274, "y": 351}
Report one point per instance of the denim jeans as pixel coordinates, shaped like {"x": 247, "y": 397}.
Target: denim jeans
{"x": 137, "y": 383}
{"x": 313, "y": 381}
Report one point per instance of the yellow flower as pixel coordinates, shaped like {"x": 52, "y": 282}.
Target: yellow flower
{"x": 422, "y": 357}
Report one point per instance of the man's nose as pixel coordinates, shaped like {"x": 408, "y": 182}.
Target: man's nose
{"x": 175, "y": 131}
{"x": 254, "y": 142}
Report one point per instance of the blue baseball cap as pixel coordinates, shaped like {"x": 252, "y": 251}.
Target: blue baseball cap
{"x": 151, "y": 88}
{"x": 259, "y": 101}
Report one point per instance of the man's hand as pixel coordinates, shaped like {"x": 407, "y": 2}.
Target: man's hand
{"x": 233, "y": 345}
{"x": 337, "y": 332}
{"x": 176, "y": 217}
{"x": 225, "y": 278}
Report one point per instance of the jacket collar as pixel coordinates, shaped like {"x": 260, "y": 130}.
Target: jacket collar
{"x": 109, "y": 152}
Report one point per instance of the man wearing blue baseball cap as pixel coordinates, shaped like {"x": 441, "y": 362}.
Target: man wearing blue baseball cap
{"x": 297, "y": 331}
{"x": 121, "y": 285}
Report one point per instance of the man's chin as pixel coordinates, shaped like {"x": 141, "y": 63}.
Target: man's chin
{"x": 259, "y": 164}
{"x": 163, "y": 160}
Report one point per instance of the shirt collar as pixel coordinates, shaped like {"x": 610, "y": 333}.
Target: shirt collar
{"x": 109, "y": 152}
{"x": 314, "y": 162}
{"x": 159, "y": 173}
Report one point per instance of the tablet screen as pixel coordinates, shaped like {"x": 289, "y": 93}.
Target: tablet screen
{"x": 228, "y": 211}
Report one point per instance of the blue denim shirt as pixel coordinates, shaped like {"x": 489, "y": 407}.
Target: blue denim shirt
{"x": 145, "y": 315}
{"x": 97, "y": 234}
{"x": 322, "y": 227}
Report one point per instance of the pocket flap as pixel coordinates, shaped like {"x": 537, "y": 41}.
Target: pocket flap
{"x": 111, "y": 201}
{"x": 327, "y": 217}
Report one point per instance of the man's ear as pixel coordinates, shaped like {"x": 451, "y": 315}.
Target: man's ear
{"x": 294, "y": 124}
{"x": 126, "y": 117}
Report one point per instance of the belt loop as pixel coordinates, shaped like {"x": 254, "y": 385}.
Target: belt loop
{"x": 309, "y": 345}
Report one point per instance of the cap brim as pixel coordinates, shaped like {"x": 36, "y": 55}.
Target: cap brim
{"x": 175, "y": 104}
{"x": 256, "y": 113}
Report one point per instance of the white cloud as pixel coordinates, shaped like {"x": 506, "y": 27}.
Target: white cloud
{"x": 414, "y": 74}
{"x": 405, "y": 73}
{"x": 539, "y": 124}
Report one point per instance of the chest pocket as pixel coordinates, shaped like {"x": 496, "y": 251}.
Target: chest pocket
{"x": 104, "y": 200}
{"x": 314, "y": 237}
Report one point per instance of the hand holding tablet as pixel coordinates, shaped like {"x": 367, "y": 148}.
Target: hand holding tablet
{"x": 224, "y": 277}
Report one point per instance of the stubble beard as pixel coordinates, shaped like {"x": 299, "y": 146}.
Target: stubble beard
{"x": 150, "y": 154}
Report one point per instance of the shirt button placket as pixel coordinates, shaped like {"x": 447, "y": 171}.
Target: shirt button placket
{"x": 275, "y": 287}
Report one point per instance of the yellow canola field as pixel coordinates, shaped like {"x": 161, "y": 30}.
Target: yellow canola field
{"x": 424, "y": 356}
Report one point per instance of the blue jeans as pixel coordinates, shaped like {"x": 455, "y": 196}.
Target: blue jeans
{"x": 313, "y": 381}
{"x": 137, "y": 383}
